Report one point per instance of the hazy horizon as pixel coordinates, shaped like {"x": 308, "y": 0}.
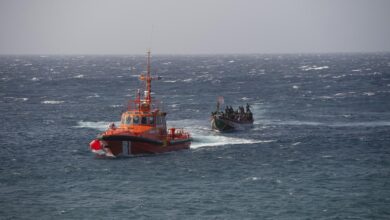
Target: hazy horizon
{"x": 174, "y": 27}
{"x": 191, "y": 54}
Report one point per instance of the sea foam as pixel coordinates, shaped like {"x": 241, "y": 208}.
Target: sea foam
{"x": 308, "y": 68}
{"x": 52, "y": 102}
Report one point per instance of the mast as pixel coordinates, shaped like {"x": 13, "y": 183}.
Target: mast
{"x": 147, "y": 101}
{"x": 148, "y": 81}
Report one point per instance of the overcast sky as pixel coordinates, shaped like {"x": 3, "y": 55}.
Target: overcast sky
{"x": 193, "y": 26}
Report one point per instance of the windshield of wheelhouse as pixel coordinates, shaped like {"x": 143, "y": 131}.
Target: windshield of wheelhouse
{"x": 130, "y": 120}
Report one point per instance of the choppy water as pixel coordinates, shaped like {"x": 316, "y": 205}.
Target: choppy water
{"x": 320, "y": 147}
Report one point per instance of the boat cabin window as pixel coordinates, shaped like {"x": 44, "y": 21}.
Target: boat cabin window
{"x": 151, "y": 120}
{"x": 128, "y": 120}
{"x": 158, "y": 120}
{"x": 144, "y": 120}
{"x": 136, "y": 119}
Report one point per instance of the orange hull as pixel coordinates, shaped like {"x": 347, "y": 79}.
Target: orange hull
{"x": 118, "y": 142}
{"x": 125, "y": 148}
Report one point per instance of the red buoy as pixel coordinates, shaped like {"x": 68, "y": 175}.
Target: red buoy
{"x": 95, "y": 145}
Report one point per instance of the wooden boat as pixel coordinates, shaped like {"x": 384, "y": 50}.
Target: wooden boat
{"x": 221, "y": 124}
{"x": 142, "y": 129}
{"x": 230, "y": 119}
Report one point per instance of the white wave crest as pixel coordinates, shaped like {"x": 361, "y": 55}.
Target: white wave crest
{"x": 187, "y": 80}
{"x": 52, "y": 102}
{"x": 16, "y": 99}
{"x": 116, "y": 106}
{"x": 369, "y": 93}
{"x": 308, "y": 68}
{"x": 99, "y": 125}
{"x": 93, "y": 96}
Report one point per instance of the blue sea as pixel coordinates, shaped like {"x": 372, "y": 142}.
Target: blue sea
{"x": 319, "y": 148}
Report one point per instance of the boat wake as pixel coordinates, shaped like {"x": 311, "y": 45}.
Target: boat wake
{"x": 219, "y": 140}
{"x": 325, "y": 124}
{"x": 99, "y": 125}
{"x": 203, "y": 136}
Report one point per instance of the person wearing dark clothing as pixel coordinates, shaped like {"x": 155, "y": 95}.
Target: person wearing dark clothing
{"x": 248, "y": 108}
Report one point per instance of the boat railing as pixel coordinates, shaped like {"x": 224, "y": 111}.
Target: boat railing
{"x": 179, "y": 132}
{"x": 137, "y": 105}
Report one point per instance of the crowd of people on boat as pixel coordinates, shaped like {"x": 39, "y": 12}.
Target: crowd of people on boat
{"x": 240, "y": 114}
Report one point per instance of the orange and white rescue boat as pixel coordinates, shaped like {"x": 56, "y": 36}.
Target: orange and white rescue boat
{"x": 142, "y": 129}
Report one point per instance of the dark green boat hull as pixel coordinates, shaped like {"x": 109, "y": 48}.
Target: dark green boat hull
{"x": 221, "y": 125}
